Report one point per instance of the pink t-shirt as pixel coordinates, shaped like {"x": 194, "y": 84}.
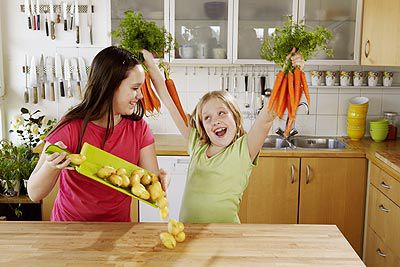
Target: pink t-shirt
{"x": 83, "y": 199}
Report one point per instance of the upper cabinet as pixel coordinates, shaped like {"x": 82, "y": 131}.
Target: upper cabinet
{"x": 381, "y": 33}
{"x": 343, "y": 19}
{"x": 231, "y": 31}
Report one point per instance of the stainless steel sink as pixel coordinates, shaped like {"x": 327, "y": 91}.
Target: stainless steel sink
{"x": 317, "y": 142}
{"x": 303, "y": 142}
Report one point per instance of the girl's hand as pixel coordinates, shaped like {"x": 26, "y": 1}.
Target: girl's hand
{"x": 57, "y": 161}
{"x": 296, "y": 58}
{"x": 148, "y": 57}
{"x": 164, "y": 179}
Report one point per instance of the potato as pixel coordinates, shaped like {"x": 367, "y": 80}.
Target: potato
{"x": 156, "y": 191}
{"x": 168, "y": 240}
{"x": 140, "y": 191}
{"x": 181, "y": 227}
{"x": 76, "y": 159}
{"x": 134, "y": 179}
{"x": 121, "y": 171}
{"x": 146, "y": 179}
{"x": 173, "y": 228}
{"x": 139, "y": 172}
{"x": 162, "y": 202}
{"x": 115, "y": 179}
{"x": 180, "y": 237}
{"x": 105, "y": 172}
{"x": 164, "y": 213}
{"x": 154, "y": 178}
{"x": 125, "y": 180}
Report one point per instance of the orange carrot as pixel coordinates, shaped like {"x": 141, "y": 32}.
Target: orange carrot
{"x": 145, "y": 100}
{"x": 156, "y": 105}
{"x": 277, "y": 86}
{"x": 305, "y": 87}
{"x": 291, "y": 96}
{"x": 297, "y": 87}
{"x": 282, "y": 101}
{"x": 169, "y": 83}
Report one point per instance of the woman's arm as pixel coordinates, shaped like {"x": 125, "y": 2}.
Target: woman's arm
{"x": 46, "y": 172}
{"x": 159, "y": 84}
{"x": 148, "y": 161}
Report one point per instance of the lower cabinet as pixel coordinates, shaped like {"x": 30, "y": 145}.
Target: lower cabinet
{"x": 309, "y": 191}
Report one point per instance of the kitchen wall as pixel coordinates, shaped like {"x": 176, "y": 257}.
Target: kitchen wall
{"x": 328, "y": 104}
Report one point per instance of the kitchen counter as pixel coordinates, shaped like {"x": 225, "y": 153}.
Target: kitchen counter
{"x": 123, "y": 244}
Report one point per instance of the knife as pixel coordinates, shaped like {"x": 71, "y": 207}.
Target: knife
{"x": 33, "y": 11}
{"x": 28, "y": 14}
{"x": 89, "y": 21}
{"x": 33, "y": 80}
{"x": 82, "y": 72}
{"x": 46, "y": 20}
{"x": 76, "y": 9}
{"x": 50, "y": 77}
{"x": 59, "y": 75}
{"x": 75, "y": 76}
{"x": 64, "y": 14}
{"x": 38, "y": 14}
{"x": 52, "y": 21}
{"x": 26, "y": 92}
{"x": 72, "y": 15}
{"x": 41, "y": 78}
{"x": 67, "y": 76}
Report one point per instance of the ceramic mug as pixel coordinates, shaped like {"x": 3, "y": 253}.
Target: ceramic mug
{"x": 316, "y": 78}
{"x": 372, "y": 78}
{"x": 330, "y": 77}
{"x": 344, "y": 78}
{"x": 219, "y": 53}
{"x": 387, "y": 78}
{"x": 186, "y": 51}
{"x": 358, "y": 78}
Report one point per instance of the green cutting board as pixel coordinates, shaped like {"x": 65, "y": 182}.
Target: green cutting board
{"x": 96, "y": 159}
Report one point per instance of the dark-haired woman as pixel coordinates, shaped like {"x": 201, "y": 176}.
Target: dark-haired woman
{"x": 109, "y": 117}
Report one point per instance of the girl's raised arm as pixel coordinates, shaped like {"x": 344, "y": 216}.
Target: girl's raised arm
{"x": 159, "y": 84}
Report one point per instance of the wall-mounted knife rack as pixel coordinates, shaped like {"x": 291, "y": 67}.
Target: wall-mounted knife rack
{"x": 27, "y": 69}
{"x": 57, "y": 8}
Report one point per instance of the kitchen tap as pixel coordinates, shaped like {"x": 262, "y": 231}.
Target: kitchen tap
{"x": 293, "y": 131}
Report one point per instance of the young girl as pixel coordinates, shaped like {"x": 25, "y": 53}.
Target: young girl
{"x": 222, "y": 154}
{"x": 109, "y": 117}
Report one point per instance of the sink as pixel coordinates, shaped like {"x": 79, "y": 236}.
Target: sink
{"x": 303, "y": 142}
{"x": 317, "y": 142}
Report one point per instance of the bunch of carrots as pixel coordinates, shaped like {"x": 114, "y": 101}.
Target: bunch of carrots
{"x": 150, "y": 101}
{"x": 286, "y": 94}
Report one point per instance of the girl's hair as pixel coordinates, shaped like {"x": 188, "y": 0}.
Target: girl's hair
{"x": 196, "y": 119}
{"x": 109, "y": 68}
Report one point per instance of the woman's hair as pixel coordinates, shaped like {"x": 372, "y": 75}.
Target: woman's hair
{"x": 196, "y": 119}
{"x": 109, "y": 68}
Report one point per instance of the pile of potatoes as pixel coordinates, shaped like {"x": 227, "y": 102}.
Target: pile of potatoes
{"x": 175, "y": 234}
{"x": 144, "y": 185}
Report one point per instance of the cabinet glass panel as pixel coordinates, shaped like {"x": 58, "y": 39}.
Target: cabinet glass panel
{"x": 339, "y": 17}
{"x": 256, "y": 20}
{"x": 152, "y": 11}
{"x": 201, "y": 29}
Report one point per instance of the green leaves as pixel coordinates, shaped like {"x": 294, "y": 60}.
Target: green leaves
{"x": 276, "y": 47}
{"x": 135, "y": 34}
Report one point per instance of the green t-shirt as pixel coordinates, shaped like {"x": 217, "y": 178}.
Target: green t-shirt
{"x": 215, "y": 186}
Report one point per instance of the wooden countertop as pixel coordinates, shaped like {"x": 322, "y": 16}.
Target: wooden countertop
{"x": 123, "y": 244}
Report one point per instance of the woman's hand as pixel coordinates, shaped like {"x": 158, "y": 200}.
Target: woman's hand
{"x": 164, "y": 179}
{"x": 57, "y": 161}
{"x": 296, "y": 58}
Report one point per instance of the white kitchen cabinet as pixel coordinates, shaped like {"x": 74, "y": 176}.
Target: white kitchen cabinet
{"x": 176, "y": 166}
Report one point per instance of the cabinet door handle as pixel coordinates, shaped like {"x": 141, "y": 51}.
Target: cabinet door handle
{"x": 382, "y": 208}
{"x": 293, "y": 172}
{"x": 380, "y": 253}
{"x": 308, "y": 174}
{"x": 367, "y": 44}
{"x": 384, "y": 185}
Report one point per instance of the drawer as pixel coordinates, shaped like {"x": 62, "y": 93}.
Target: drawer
{"x": 385, "y": 183}
{"x": 377, "y": 253}
{"x": 384, "y": 219}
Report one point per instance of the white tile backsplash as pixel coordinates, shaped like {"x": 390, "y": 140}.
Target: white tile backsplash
{"x": 328, "y": 109}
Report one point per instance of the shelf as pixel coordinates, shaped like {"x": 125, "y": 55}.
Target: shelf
{"x": 23, "y": 199}
{"x": 353, "y": 87}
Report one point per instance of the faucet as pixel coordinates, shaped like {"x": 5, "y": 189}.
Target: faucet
{"x": 293, "y": 131}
